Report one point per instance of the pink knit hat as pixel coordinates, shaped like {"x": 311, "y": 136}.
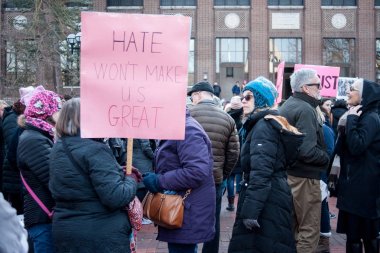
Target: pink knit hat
{"x": 28, "y": 92}
{"x": 236, "y": 103}
{"x": 43, "y": 104}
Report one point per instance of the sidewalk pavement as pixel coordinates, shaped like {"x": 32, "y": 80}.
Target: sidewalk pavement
{"x": 147, "y": 243}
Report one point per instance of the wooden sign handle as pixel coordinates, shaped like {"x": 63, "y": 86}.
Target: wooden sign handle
{"x": 129, "y": 156}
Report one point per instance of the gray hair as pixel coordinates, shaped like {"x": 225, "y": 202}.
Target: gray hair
{"x": 300, "y": 78}
{"x": 68, "y": 123}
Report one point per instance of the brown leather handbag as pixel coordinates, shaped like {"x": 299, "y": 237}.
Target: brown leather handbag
{"x": 165, "y": 210}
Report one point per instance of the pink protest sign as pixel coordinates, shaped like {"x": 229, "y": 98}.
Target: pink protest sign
{"x": 134, "y": 75}
{"x": 279, "y": 81}
{"x": 329, "y": 78}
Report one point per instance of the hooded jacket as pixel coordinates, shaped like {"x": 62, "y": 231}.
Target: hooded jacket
{"x": 265, "y": 195}
{"x": 358, "y": 146}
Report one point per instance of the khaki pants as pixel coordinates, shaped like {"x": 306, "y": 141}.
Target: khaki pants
{"x": 307, "y": 212}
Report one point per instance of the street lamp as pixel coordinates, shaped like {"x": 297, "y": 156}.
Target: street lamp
{"x": 74, "y": 41}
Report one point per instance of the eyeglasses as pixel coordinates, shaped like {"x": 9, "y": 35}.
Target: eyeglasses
{"x": 314, "y": 84}
{"x": 246, "y": 97}
{"x": 352, "y": 88}
{"x": 191, "y": 97}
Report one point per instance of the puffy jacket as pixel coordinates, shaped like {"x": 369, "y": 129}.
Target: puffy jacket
{"x": 33, "y": 160}
{"x": 90, "y": 198}
{"x": 221, "y": 130}
{"x": 11, "y": 176}
{"x": 180, "y": 169}
{"x": 266, "y": 195}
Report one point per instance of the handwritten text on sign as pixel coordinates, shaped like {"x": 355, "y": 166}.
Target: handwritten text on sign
{"x": 328, "y": 75}
{"x": 133, "y": 75}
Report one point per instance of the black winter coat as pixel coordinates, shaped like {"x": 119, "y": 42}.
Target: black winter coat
{"x": 90, "y": 198}
{"x": 2, "y": 153}
{"x": 237, "y": 115}
{"x": 265, "y": 196}
{"x": 359, "y": 149}
{"x": 33, "y": 160}
{"x": 11, "y": 176}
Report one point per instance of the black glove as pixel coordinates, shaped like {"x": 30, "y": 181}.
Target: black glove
{"x": 151, "y": 182}
{"x": 251, "y": 224}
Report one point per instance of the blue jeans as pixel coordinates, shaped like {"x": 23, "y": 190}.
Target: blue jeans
{"x": 182, "y": 248}
{"x": 325, "y": 213}
{"x": 230, "y": 184}
{"x": 213, "y": 245}
{"x": 41, "y": 235}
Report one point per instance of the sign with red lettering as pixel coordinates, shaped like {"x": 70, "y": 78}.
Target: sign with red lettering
{"x": 328, "y": 75}
{"x": 279, "y": 81}
{"x": 134, "y": 75}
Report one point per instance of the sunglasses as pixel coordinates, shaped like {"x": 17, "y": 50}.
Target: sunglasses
{"x": 314, "y": 84}
{"x": 246, "y": 97}
{"x": 352, "y": 88}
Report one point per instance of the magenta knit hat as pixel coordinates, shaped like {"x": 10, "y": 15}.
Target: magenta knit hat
{"x": 43, "y": 104}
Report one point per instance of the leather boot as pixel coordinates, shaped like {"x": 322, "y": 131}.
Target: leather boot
{"x": 231, "y": 202}
{"x": 354, "y": 247}
{"x": 323, "y": 245}
{"x": 372, "y": 246}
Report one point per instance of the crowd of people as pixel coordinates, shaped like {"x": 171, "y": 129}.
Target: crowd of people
{"x": 277, "y": 160}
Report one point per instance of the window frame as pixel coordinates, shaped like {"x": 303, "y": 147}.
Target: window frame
{"x": 219, "y": 51}
{"x": 232, "y": 2}
{"x": 348, "y": 66}
{"x": 128, "y": 3}
{"x": 282, "y": 3}
{"x": 181, "y": 3}
{"x": 339, "y": 3}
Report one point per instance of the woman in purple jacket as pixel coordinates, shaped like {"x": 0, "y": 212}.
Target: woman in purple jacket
{"x": 181, "y": 165}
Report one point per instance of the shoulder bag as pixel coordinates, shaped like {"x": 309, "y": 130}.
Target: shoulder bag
{"x": 165, "y": 210}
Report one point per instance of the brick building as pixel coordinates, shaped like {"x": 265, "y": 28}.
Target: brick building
{"x": 236, "y": 40}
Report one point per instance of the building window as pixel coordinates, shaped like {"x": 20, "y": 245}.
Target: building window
{"x": 69, "y": 65}
{"x": 232, "y": 50}
{"x": 78, "y": 4}
{"x": 191, "y": 66}
{"x": 178, "y": 2}
{"x": 124, "y": 2}
{"x": 341, "y": 53}
{"x": 191, "y": 56}
{"x": 232, "y": 2}
{"x": 378, "y": 60}
{"x": 20, "y": 67}
{"x": 285, "y": 49}
{"x": 229, "y": 72}
{"x": 18, "y": 4}
{"x": 377, "y": 3}
{"x": 285, "y": 2}
{"x": 338, "y": 2}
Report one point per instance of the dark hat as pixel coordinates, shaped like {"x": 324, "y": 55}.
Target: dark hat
{"x": 201, "y": 86}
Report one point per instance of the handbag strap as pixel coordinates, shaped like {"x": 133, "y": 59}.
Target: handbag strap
{"x": 71, "y": 157}
{"x": 36, "y": 198}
